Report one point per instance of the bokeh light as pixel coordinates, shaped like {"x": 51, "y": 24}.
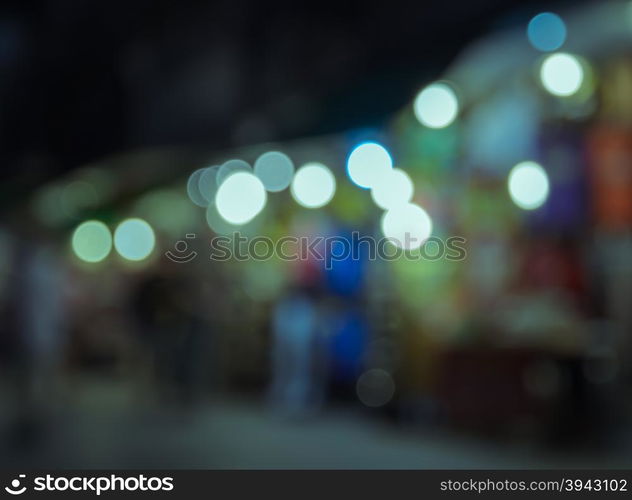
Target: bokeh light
{"x": 396, "y": 188}
{"x": 561, "y": 74}
{"x": 436, "y": 106}
{"x": 313, "y": 185}
{"x": 134, "y": 239}
{"x": 240, "y": 198}
{"x": 528, "y": 185}
{"x": 231, "y": 167}
{"x": 92, "y": 241}
{"x": 546, "y": 31}
{"x": 368, "y": 164}
{"x": 375, "y": 387}
{"x": 407, "y": 226}
{"x": 193, "y": 189}
{"x": 207, "y": 183}
{"x": 275, "y": 170}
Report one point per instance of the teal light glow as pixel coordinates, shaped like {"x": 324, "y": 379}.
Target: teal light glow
{"x": 134, "y": 239}
{"x": 546, "y": 31}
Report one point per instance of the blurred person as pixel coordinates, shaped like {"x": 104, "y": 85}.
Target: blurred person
{"x": 294, "y": 388}
{"x": 39, "y": 333}
{"x": 348, "y": 324}
{"x": 163, "y": 305}
{"x": 350, "y": 334}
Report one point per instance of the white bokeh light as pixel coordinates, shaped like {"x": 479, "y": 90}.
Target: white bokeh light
{"x": 395, "y": 189}
{"x": 407, "y": 226}
{"x": 313, "y": 185}
{"x": 528, "y": 185}
{"x": 561, "y": 74}
{"x": 229, "y": 168}
{"x": 368, "y": 164}
{"x": 436, "y": 106}
{"x": 240, "y": 198}
{"x": 218, "y": 224}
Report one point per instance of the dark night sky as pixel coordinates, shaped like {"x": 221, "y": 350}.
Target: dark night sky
{"x": 81, "y": 79}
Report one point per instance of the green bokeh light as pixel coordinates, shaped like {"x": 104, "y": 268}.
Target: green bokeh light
{"x": 92, "y": 241}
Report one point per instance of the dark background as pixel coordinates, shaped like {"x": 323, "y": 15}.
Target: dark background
{"x": 81, "y": 80}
